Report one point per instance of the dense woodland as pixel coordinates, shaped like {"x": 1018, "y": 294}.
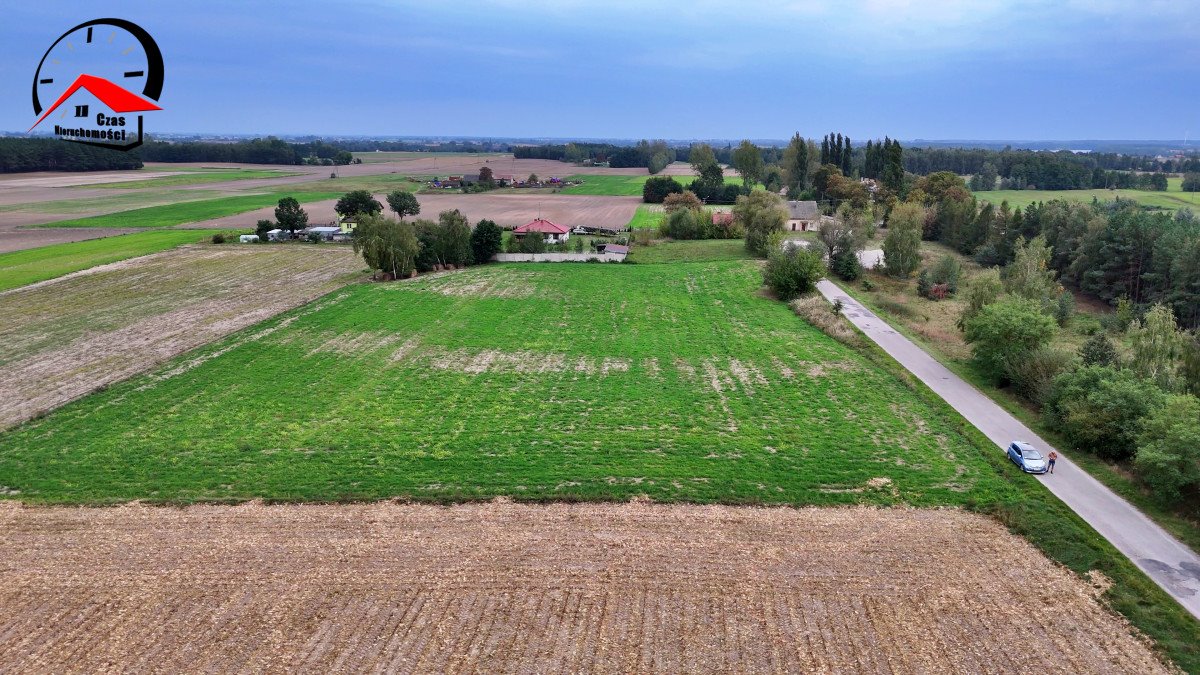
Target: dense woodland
{"x": 48, "y": 154}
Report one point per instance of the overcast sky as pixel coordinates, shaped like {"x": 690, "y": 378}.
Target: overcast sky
{"x": 931, "y": 69}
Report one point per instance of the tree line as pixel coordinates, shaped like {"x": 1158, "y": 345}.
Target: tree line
{"x": 50, "y": 154}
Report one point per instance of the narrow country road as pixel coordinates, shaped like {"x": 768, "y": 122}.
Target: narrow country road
{"x": 1168, "y": 562}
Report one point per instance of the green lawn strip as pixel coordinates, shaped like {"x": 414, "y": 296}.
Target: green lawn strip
{"x": 1033, "y": 512}
{"x": 193, "y": 178}
{"x": 704, "y": 250}
{"x": 1181, "y": 527}
{"x": 19, "y": 268}
{"x": 169, "y": 215}
{"x": 380, "y": 183}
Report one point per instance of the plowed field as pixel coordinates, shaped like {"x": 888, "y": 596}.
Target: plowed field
{"x": 564, "y": 588}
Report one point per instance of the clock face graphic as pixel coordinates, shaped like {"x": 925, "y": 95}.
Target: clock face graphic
{"x": 119, "y": 69}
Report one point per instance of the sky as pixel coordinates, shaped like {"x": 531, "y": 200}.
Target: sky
{"x": 911, "y": 69}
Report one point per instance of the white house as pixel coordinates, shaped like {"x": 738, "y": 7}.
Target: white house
{"x": 802, "y": 216}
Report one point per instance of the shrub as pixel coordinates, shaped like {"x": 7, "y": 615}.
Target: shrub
{"x": 1168, "y": 456}
{"x": 218, "y": 238}
{"x": 1064, "y": 309}
{"x": 868, "y": 285}
{"x": 846, "y": 266}
{"x": 682, "y": 200}
{"x": 1005, "y": 332}
{"x": 486, "y": 239}
{"x": 532, "y": 243}
{"x": 760, "y": 214}
{"x": 924, "y": 284}
{"x": 793, "y": 271}
{"x": 1098, "y": 351}
{"x": 983, "y": 291}
{"x": 901, "y": 246}
{"x": 1101, "y": 409}
{"x": 684, "y": 224}
{"x": 1032, "y": 375}
{"x": 947, "y": 271}
{"x": 656, "y": 189}
{"x": 262, "y": 228}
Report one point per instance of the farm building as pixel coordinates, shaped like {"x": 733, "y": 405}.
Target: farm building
{"x": 802, "y": 216}
{"x": 346, "y": 224}
{"x": 553, "y": 232}
{"x": 325, "y": 233}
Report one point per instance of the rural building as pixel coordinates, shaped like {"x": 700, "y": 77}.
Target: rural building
{"x": 248, "y": 238}
{"x": 346, "y": 224}
{"x": 553, "y": 232}
{"x": 802, "y": 216}
{"x": 326, "y": 233}
{"x": 277, "y": 235}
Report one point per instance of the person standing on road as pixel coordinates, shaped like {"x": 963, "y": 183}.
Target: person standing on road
{"x": 1053, "y": 456}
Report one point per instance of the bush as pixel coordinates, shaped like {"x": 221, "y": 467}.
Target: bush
{"x": 1168, "y": 456}
{"x": 793, "y": 271}
{"x": 684, "y": 224}
{"x": 983, "y": 291}
{"x": 1064, "y": 309}
{"x": 760, "y": 215}
{"x": 218, "y": 238}
{"x": 1098, "y": 351}
{"x": 532, "y": 243}
{"x": 1101, "y": 409}
{"x": 846, "y": 266}
{"x": 868, "y": 285}
{"x": 262, "y": 228}
{"x": 1033, "y": 375}
{"x": 1004, "y": 333}
{"x": 941, "y": 281}
{"x": 657, "y": 188}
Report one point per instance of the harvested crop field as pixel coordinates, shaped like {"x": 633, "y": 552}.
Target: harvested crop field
{"x": 70, "y": 336}
{"x": 501, "y": 587}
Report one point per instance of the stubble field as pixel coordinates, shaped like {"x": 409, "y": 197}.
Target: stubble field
{"x": 564, "y": 588}
{"x": 72, "y": 335}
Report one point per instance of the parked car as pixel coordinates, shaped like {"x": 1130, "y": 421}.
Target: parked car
{"x": 1027, "y": 457}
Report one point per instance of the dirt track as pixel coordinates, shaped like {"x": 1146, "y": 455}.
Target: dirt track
{"x": 506, "y": 588}
{"x": 68, "y": 336}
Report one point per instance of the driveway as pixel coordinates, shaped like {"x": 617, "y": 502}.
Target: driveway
{"x": 1163, "y": 558}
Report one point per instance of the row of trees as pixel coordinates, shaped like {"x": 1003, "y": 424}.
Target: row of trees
{"x": 47, "y": 154}
{"x": 651, "y": 155}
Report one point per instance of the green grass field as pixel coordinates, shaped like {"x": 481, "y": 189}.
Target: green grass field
{"x": 624, "y": 186}
{"x": 169, "y": 215}
{"x": 1171, "y": 200}
{"x": 690, "y": 251}
{"x": 194, "y": 178}
{"x": 566, "y": 381}
{"x": 19, "y": 268}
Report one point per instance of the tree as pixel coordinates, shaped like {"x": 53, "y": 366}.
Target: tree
{"x": 1168, "y": 455}
{"x": 1191, "y": 182}
{"x": 893, "y": 167}
{"x": 795, "y": 166}
{"x": 357, "y": 202}
{"x": 701, "y": 157}
{"x": 748, "y": 161}
{"x": 1189, "y": 366}
{"x": 290, "y": 216}
{"x": 486, "y": 240}
{"x": 760, "y": 214}
{"x": 454, "y": 238}
{"x": 486, "y": 176}
{"x": 902, "y": 245}
{"x": 1101, "y": 409}
{"x": 532, "y": 180}
{"x": 657, "y": 188}
{"x": 532, "y": 242}
{"x": 385, "y": 244}
{"x": 1029, "y": 275}
{"x": 1006, "y": 331}
{"x": 983, "y": 290}
{"x": 1098, "y": 351}
{"x": 985, "y": 179}
{"x": 792, "y": 271}
{"x": 1157, "y": 345}
{"x": 404, "y": 203}
{"x": 262, "y": 228}
{"x": 682, "y": 223}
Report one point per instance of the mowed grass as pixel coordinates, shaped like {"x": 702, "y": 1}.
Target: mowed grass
{"x": 169, "y": 215}
{"x": 20, "y": 268}
{"x": 624, "y": 186}
{"x": 690, "y": 251}
{"x": 679, "y": 382}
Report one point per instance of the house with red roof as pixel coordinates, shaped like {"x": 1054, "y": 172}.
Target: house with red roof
{"x": 553, "y": 232}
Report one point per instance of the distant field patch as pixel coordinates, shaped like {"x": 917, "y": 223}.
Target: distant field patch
{"x": 624, "y": 185}
{"x": 195, "y": 178}
{"x": 169, "y": 215}
{"x": 20, "y": 268}
{"x": 1170, "y": 200}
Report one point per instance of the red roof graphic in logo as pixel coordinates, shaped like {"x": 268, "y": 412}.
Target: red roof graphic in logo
{"x": 118, "y": 99}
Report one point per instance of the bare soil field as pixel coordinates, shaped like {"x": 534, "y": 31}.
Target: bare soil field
{"x": 12, "y": 239}
{"x": 500, "y": 587}
{"x": 69, "y": 336}
{"x": 507, "y": 209}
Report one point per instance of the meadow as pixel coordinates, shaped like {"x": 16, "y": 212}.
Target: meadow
{"x": 624, "y": 186}
{"x": 19, "y": 268}
{"x": 1174, "y": 198}
{"x": 169, "y": 215}
{"x": 678, "y": 381}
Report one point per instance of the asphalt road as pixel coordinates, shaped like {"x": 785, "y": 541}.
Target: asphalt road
{"x": 1163, "y": 558}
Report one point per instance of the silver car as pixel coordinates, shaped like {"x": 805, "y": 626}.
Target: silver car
{"x": 1027, "y": 457}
